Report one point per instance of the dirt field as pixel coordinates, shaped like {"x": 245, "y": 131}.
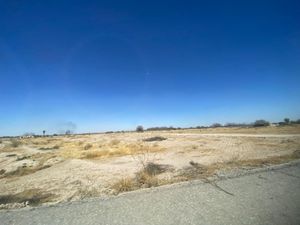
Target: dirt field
{"x": 48, "y": 170}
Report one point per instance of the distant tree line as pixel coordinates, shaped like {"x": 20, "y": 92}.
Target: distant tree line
{"x": 257, "y": 123}
{"x": 162, "y": 128}
{"x": 140, "y": 128}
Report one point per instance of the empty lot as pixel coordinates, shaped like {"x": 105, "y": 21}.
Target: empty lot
{"x": 48, "y": 170}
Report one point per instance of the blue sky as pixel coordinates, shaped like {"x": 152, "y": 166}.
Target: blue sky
{"x": 112, "y": 65}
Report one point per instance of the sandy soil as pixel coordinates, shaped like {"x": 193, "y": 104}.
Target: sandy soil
{"x": 79, "y": 166}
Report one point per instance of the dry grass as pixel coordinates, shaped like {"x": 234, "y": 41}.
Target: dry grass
{"x": 11, "y": 155}
{"x": 32, "y": 197}
{"x": 214, "y": 152}
{"x": 22, "y": 171}
{"x": 290, "y": 129}
{"x": 103, "y": 149}
{"x": 87, "y": 146}
{"x": 96, "y": 154}
{"x": 41, "y": 158}
{"x": 145, "y": 178}
{"x": 195, "y": 171}
{"x": 198, "y": 171}
{"x": 119, "y": 150}
{"x": 155, "y": 169}
{"x": 265, "y": 161}
{"x": 156, "y": 138}
{"x": 14, "y": 143}
{"x": 50, "y": 148}
{"x": 124, "y": 185}
{"x": 115, "y": 142}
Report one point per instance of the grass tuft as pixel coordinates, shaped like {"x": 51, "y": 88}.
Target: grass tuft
{"x": 124, "y": 185}
{"x": 144, "y": 178}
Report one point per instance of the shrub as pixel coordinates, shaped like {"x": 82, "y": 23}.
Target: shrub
{"x": 123, "y": 185}
{"x": 2, "y": 171}
{"x": 33, "y": 197}
{"x": 261, "y": 123}
{"x": 286, "y": 120}
{"x": 115, "y": 142}
{"x": 14, "y": 143}
{"x": 139, "y": 128}
{"x": 216, "y": 125}
{"x": 50, "y": 148}
{"x": 154, "y": 169}
{"x": 96, "y": 154}
{"x": 87, "y": 146}
{"x": 156, "y": 138}
{"x": 146, "y": 180}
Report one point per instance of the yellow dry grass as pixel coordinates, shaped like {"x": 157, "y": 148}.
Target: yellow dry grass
{"x": 124, "y": 185}
{"x": 110, "y": 149}
{"x": 290, "y": 129}
{"x": 32, "y": 197}
{"x": 144, "y": 179}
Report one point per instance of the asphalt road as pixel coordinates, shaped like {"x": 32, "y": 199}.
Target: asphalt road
{"x": 264, "y": 197}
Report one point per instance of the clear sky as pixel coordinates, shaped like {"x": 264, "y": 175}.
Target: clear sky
{"x": 112, "y": 65}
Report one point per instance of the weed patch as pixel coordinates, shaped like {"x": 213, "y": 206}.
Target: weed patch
{"x": 144, "y": 178}
{"x": 22, "y": 158}
{"x": 22, "y": 171}
{"x": 49, "y": 148}
{"x": 156, "y": 138}
{"x": 87, "y": 146}
{"x": 33, "y": 197}
{"x": 14, "y": 143}
{"x": 124, "y": 185}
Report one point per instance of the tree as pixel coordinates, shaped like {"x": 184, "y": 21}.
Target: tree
{"x": 261, "y": 123}
{"x": 287, "y": 120}
{"x": 44, "y": 132}
{"x": 139, "y": 128}
{"x": 216, "y": 125}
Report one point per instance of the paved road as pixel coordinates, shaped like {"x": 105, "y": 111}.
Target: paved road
{"x": 264, "y": 197}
